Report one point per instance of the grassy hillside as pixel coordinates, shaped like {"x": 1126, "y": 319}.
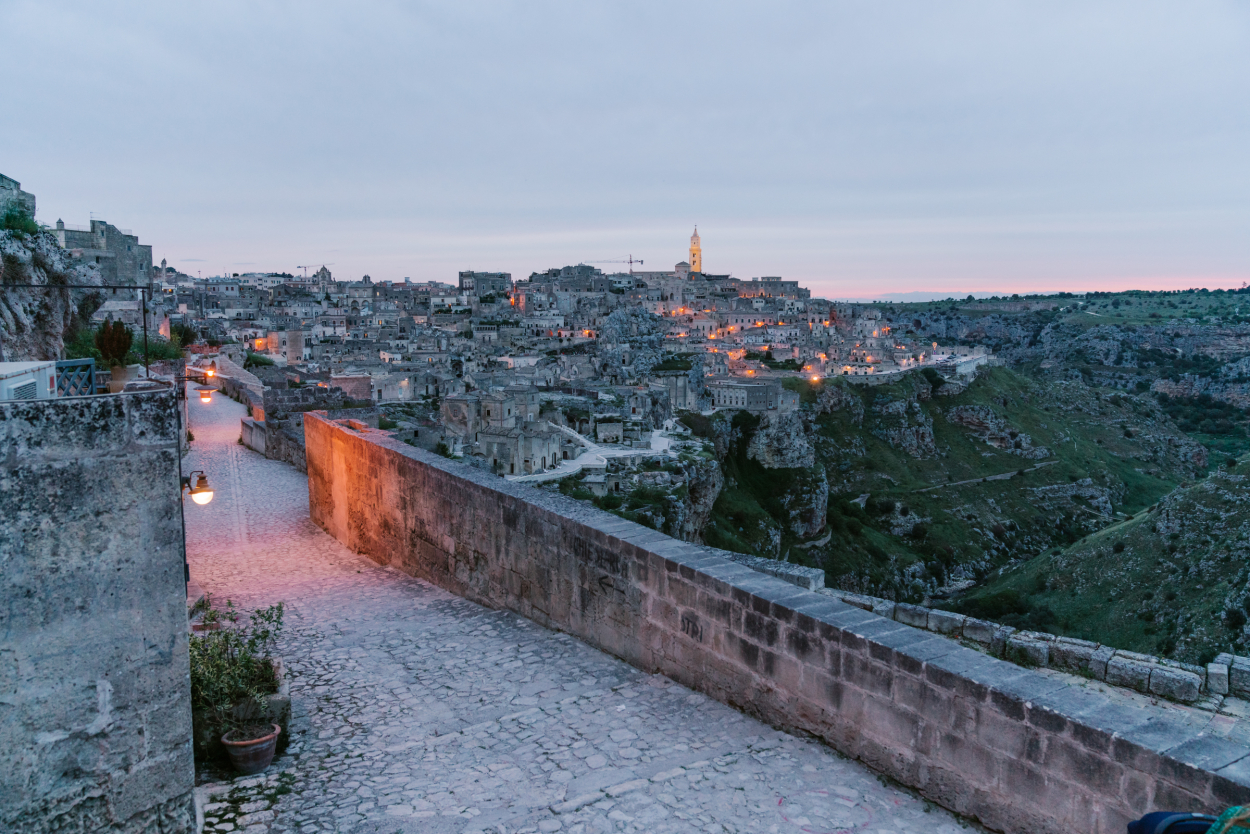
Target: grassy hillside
{"x": 1171, "y": 581}
{"x": 943, "y": 506}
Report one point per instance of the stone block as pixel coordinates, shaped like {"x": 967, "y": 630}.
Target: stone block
{"x": 1098, "y": 661}
{"x": 1124, "y": 669}
{"x": 979, "y": 631}
{"x": 912, "y": 615}
{"x": 884, "y": 608}
{"x": 860, "y": 601}
{"x": 945, "y": 622}
{"x": 1072, "y": 655}
{"x": 1239, "y": 677}
{"x": 998, "y": 643}
{"x": 1175, "y": 684}
{"x": 1027, "y": 650}
{"x": 1217, "y": 678}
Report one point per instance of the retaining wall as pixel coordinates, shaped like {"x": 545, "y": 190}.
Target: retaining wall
{"x": 1019, "y": 751}
{"x": 95, "y": 693}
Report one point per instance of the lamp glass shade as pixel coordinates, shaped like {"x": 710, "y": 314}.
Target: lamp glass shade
{"x": 202, "y": 496}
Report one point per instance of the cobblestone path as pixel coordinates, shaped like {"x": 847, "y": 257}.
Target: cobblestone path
{"x": 417, "y": 711}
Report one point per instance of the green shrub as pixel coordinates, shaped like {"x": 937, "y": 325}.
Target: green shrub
{"x": 254, "y": 360}
{"x": 113, "y": 340}
{"x": 232, "y": 669}
{"x": 184, "y": 334}
{"x": 17, "y": 219}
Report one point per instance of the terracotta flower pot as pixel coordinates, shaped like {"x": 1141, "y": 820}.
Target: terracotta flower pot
{"x": 252, "y": 755}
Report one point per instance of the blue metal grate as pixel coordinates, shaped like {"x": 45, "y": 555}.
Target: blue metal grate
{"x": 75, "y": 377}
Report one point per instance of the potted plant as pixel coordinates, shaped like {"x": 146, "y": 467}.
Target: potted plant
{"x": 238, "y": 705}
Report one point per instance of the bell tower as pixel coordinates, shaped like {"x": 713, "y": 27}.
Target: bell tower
{"x": 696, "y": 252}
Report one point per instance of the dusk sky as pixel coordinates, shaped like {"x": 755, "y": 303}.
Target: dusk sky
{"x": 862, "y": 148}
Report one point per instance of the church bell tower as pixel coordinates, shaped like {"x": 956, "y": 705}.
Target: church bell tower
{"x": 696, "y": 252}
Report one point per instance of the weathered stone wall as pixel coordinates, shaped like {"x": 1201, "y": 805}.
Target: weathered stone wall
{"x": 95, "y": 700}
{"x": 1020, "y": 751}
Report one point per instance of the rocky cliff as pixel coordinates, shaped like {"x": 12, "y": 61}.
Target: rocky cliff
{"x": 781, "y": 442}
{"x": 33, "y": 321}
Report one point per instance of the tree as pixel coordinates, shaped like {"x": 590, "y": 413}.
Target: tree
{"x": 113, "y": 340}
{"x": 183, "y": 334}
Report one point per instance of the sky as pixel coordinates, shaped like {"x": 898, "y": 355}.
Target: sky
{"x": 863, "y": 148}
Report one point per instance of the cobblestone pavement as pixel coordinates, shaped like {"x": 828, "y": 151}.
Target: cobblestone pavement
{"x": 417, "y": 711}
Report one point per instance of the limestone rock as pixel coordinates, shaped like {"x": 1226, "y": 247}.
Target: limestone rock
{"x": 807, "y": 502}
{"x": 781, "y": 443}
{"x": 992, "y": 429}
{"x": 704, "y": 483}
{"x": 840, "y": 398}
{"x": 33, "y": 321}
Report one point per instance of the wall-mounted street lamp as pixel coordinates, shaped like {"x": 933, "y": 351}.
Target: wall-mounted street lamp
{"x": 206, "y": 395}
{"x": 212, "y": 369}
{"x": 201, "y": 493}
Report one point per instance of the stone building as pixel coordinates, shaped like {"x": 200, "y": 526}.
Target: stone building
{"x": 751, "y": 395}
{"x": 120, "y": 256}
{"x": 479, "y": 284}
{"x": 521, "y": 450}
{"x": 11, "y": 194}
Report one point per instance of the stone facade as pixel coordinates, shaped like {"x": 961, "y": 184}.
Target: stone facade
{"x": 11, "y": 194}
{"x": 120, "y": 256}
{"x": 1008, "y": 746}
{"x": 95, "y": 699}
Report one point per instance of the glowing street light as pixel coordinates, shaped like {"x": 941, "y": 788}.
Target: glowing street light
{"x": 201, "y": 493}
{"x": 206, "y": 395}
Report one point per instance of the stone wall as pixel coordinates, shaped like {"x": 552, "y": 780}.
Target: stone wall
{"x": 1015, "y": 749}
{"x": 95, "y": 700}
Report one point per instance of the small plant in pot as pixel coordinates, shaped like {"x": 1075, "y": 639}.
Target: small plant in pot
{"x": 233, "y": 676}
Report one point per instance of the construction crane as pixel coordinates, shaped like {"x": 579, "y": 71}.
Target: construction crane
{"x": 307, "y": 267}
{"x": 629, "y": 260}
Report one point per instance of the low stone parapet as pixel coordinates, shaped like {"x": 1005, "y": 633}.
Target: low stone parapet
{"x": 1015, "y": 748}
{"x": 1187, "y": 683}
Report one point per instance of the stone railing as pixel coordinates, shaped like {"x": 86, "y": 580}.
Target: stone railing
{"x": 1184, "y": 682}
{"x": 1016, "y": 749}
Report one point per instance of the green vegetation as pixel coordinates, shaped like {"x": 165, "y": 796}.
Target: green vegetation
{"x": 17, "y": 219}
{"x": 182, "y": 334}
{"x": 232, "y": 668}
{"x": 113, "y": 341}
{"x": 776, "y": 364}
{"x": 255, "y": 360}
{"x": 965, "y": 507}
{"x": 1171, "y": 581}
{"x": 674, "y": 362}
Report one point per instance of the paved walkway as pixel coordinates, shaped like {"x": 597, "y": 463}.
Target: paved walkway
{"x": 417, "y": 711}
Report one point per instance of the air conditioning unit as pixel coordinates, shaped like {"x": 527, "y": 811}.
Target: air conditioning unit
{"x": 27, "y": 380}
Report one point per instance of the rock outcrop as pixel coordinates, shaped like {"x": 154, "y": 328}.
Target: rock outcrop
{"x": 703, "y": 485}
{"x": 33, "y": 321}
{"x": 781, "y": 442}
{"x": 807, "y": 501}
{"x": 984, "y": 423}
{"x": 905, "y": 425}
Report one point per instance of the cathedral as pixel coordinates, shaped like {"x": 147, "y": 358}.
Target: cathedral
{"x": 696, "y": 252}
